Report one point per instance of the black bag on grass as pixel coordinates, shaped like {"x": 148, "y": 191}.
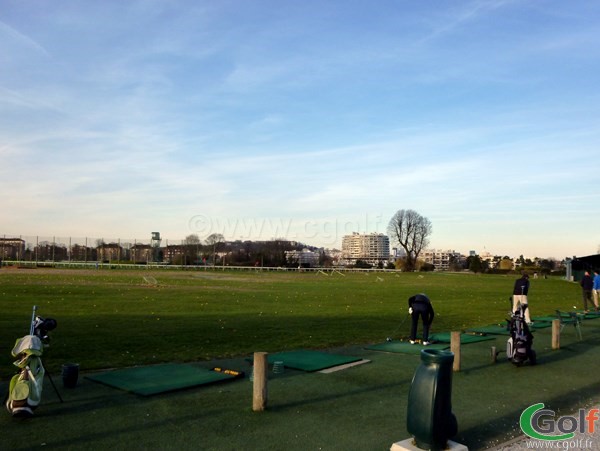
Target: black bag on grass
{"x": 519, "y": 345}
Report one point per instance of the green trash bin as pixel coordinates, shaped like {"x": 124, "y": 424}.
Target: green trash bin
{"x": 429, "y": 418}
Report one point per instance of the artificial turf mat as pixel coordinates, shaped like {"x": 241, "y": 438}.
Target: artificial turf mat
{"x": 500, "y": 329}
{"x": 543, "y": 319}
{"x": 444, "y": 337}
{"x": 151, "y": 380}
{"x": 493, "y": 329}
{"x": 404, "y": 347}
{"x": 580, "y": 314}
{"x": 310, "y": 360}
{"x": 590, "y": 315}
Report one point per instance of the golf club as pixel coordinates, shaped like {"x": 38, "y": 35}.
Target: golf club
{"x": 32, "y": 324}
{"x": 397, "y": 329}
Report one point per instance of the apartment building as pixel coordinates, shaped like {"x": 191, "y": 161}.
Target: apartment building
{"x": 438, "y": 258}
{"x": 371, "y": 248}
{"x": 12, "y": 248}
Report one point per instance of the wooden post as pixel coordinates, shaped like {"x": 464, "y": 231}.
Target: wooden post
{"x": 494, "y": 354}
{"x": 455, "y": 348}
{"x": 259, "y": 396}
{"x": 556, "y": 334}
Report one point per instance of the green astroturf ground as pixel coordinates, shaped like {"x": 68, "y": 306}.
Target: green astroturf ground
{"x": 154, "y": 379}
{"x": 306, "y": 360}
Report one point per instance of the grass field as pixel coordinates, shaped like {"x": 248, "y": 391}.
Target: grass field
{"x": 113, "y": 318}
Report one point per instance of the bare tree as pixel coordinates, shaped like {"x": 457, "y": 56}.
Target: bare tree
{"x": 192, "y": 239}
{"x": 215, "y": 240}
{"x": 411, "y": 231}
{"x": 192, "y": 248}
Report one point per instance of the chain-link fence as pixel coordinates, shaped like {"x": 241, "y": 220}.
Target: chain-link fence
{"x": 94, "y": 249}
{"x": 103, "y": 252}
{"x": 91, "y": 252}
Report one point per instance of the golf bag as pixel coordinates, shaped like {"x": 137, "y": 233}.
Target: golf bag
{"x": 519, "y": 345}
{"x": 25, "y": 388}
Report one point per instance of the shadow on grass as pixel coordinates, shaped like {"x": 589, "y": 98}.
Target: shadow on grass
{"x": 87, "y": 436}
{"x": 345, "y": 394}
{"x": 498, "y": 429}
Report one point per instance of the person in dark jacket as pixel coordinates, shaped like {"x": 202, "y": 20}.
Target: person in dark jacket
{"x": 587, "y": 285}
{"x": 419, "y": 305}
{"x": 520, "y": 291}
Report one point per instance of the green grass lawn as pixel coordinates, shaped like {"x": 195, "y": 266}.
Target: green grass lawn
{"x": 112, "y": 318}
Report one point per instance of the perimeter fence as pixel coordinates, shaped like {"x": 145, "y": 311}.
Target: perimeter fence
{"x": 119, "y": 253}
{"x": 55, "y": 249}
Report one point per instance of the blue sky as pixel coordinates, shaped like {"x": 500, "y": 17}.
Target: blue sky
{"x": 304, "y": 120}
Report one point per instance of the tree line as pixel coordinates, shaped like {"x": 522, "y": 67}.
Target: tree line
{"x": 411, "y": 231}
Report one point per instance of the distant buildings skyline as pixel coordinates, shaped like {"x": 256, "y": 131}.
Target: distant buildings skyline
{"x": 369, "y": 247}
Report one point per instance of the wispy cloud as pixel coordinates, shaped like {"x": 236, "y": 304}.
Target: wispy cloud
{"x": 314, "y": 114}
{"x": 22, "y": 40}
{"x": 453, "y": 19}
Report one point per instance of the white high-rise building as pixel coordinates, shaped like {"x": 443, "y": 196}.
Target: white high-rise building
{"x": 371, "y": 248}
{"x": 440, "y": 259}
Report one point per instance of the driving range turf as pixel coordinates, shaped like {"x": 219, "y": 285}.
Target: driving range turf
{"x": 114, "y": 319}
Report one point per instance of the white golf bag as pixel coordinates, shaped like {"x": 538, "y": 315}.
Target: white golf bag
{"x": 25, "y": 388}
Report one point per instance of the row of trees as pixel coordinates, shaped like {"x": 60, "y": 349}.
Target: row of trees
{"x": 474, "y": 263}
{"x": 411, "y": 231}
{"x": 407, "y": 228}
{"x": 216, "y": 250}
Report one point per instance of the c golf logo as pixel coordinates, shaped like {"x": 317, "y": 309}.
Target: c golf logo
{"x": 535, "y": 422}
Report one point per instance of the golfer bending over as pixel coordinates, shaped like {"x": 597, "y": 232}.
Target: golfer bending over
{"x": 420, "y": 305}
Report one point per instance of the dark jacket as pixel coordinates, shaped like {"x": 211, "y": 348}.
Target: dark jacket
{"x": 418, "y": 299}
{"x": 587, "y": 283}
{"x": 421, "y": 303}
{"x": 521, "y": 286}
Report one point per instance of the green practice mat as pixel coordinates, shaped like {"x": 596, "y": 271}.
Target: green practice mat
{"x": 404, "y": 347}
{"x": 493, "y": 329}
{"x": 543, "y": 319}
{"x": 444, "y": 337}
{"x": 151, "y": 380}
{"x": 310, "y": 360}
{"x": 580, "y": 314}
{"x": 541, "y": 324}
{"x": 590, "y": 315}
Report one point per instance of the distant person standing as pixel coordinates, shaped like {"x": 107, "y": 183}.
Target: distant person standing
{"x": 419, "y": 305}
{"x": 587, "y": 285}
{"x": 596, "y": 288}
{"x": 520, "y": 291}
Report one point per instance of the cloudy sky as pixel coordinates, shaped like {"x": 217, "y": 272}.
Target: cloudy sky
{"x": 304, "y": 120}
